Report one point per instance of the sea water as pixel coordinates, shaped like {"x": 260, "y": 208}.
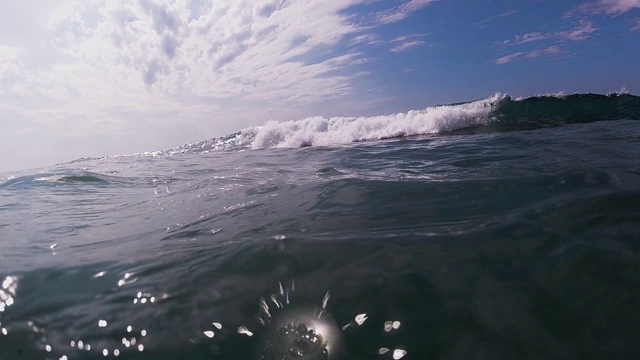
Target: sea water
{"x": 499, "y": 228}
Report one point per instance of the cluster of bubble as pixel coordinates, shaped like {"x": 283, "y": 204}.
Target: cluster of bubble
{"x": 129, "y": 341}
{"x": 126, "y": 279}
{"x": 389, "y": 326}
{"x": 397, "y": 353}
{"x": 132, "y": 339}
{"x": 143, "y": 298}
{"x": 7, "y": 294}
{"x": 210, "y": 333}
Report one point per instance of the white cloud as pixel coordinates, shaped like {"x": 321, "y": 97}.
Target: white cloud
{"x": 9, "y": 52}
{"x": 406, "y": 45}
{"x": 402, "y": 11}
{"x": 245, "y": 48}
{"x": 551, "y": 50}
{"x": 406, "y": 42}
{"x": 369, "y": 39}
{"x": 581, "y": 32}
{"x": 484, "y": 22}
{"x": 508, "y": 58}
{"x": 613, "y": 7}
{"x": 531, "y": 37}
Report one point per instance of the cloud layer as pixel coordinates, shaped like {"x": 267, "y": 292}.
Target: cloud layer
{"x": 581, "y": 32}
{"x": 119, "y": 66}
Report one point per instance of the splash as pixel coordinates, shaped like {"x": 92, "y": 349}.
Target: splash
{"x": 289, "y": 330}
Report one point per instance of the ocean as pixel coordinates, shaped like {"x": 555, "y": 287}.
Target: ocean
{"x": 495, "y": 229}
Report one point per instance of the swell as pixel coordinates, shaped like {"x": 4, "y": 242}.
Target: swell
{"x": 53, "y": 179}
{"x": 549, "y": 111}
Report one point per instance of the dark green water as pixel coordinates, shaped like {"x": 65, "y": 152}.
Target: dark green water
{"x": 487, "y": 244}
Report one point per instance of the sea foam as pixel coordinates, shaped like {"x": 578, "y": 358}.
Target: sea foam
{"x": 319, "y": 131}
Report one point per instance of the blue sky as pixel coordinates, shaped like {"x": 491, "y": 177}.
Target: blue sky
{"x": 98, "y": 77}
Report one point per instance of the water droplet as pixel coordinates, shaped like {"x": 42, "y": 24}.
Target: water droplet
{"x": 7, "y": 282}
{"x": 217, "y": 325}
{"x": 116, "y": 352}
{"x": 398, "y": 354}
{"x": 383, "y": 350}
{"x": 102, "y": 323}
{"x": 141, "y": 347}
{"x": 129, "y": 328}
{"x": 275, "y": 301}
{"x": 143, "y": 332}
{"x": 396, "y": 325}
{"x": 105, "y": 352}
{"x": 325, "y": 300}
{"x": 209, "y": 334}
{"x": 244, "y": 331}
{"x": 48, "y": 348}
{"x": 361, "y": 318}
{"x": 388, "y": 326}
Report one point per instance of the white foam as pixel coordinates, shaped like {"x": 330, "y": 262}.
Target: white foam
{"x": 557, "y": 95}
{"x": 342, "y": 130}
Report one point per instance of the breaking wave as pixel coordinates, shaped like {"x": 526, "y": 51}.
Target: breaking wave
{"x": 341, "y": 130}
{"x": 498, "y": 113}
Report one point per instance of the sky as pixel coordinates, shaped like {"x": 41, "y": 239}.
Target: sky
{"x": 83, "y": 78}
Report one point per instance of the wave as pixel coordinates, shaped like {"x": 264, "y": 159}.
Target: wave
{"x": 341, "y": 130}
{"x": 556, "y": 110}
{"x": 495, "y": 114}
{"x": 47, "y": 179}
{"x": 498, "y": 113}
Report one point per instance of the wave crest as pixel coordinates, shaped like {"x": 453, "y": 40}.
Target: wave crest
{"x": 320, "y": 131}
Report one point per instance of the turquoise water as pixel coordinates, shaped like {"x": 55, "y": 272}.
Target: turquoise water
{"x": 504, "y": 237}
